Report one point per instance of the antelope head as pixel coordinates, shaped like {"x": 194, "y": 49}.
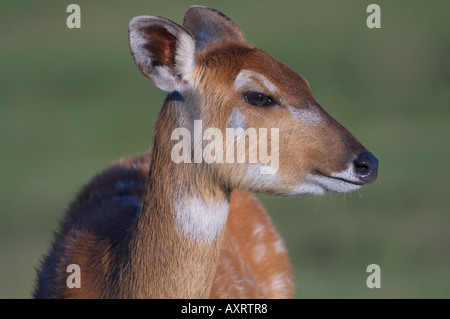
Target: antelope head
{"x": 213, "y": 76}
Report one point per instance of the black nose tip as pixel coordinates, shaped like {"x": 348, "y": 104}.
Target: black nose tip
{"x": 366, "y": 167}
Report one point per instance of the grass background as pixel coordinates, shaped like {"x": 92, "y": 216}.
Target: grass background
{"x": 72, "y": 102}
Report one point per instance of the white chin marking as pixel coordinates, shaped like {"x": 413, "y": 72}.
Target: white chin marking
{"x": 340, "y": 182}
{"x": 259, "y": 176}
{"x": 200, "y": 220}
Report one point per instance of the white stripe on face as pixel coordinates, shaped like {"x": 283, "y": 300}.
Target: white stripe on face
{"x": 245, "y": 80}
{"x": 307, "y": 116}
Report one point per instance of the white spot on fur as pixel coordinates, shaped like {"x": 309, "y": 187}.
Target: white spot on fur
{"x": 258, "y": 229}
{"x": 200, "y": 220}
{"x": 234, "y": 279}
{"x": 259, "y": 252}
{"x": 279, "y": 246}
{"x": 281, "y": 284}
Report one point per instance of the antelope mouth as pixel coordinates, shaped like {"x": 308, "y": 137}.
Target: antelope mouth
{"x": 336, "y": 177}
{"x": 319, "y": 183}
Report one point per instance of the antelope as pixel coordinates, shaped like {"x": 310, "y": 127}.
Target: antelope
{"x": 148, "y": 227}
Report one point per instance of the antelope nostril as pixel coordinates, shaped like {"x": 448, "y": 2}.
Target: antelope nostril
{"x": 366, "y": 167}
{"x": 362, "y": 169}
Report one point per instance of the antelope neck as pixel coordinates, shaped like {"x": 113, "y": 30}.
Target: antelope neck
{"x": 187, "y": 192}
{"x": 194, "y": 207}
{"x": 179, "y": 225}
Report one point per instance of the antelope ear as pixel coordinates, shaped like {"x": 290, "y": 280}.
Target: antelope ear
{"x": 163, "y": 50}
{"x": 209, "y": 25}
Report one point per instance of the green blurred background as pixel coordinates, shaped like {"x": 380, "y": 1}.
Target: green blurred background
{"x": 72, "y": 102}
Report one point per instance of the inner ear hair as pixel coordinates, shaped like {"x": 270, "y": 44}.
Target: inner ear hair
{"x": 163, "y": 50}
{"x": 161, "y": 44}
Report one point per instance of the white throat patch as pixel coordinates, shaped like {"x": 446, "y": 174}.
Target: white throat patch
{"x": 200, "y": 220}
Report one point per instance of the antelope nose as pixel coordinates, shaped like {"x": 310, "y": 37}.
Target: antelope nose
{"x": 366, "y": 167}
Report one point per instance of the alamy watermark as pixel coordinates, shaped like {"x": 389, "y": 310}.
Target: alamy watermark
{"x": 73, "y": 21}
{"x": 374, "y": 19}
{"x": 74, "y": 279}
{"x": 374, "y": 279}
{"x": 230, "y": 148}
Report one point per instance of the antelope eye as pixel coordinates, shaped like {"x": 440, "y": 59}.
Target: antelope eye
{"x": 258, "y": 99}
